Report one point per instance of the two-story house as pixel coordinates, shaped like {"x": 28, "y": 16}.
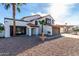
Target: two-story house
{"x": 29, "y": 25}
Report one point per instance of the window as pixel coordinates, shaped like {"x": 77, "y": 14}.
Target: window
{"x": 48, "y": 21}
{"x": 36, "y": 22}
{"x": 52, "y": 21}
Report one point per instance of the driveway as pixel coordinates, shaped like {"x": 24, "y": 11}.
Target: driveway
{"x": 33, "y": 46}
{"x": 15, "y": 45}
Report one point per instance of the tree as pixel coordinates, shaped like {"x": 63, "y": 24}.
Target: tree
{"x": 15, "y": 6}
{"x": 42, "y": 22}
{"x": 76, "y": 30}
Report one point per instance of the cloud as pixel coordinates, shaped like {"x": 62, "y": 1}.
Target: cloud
{"x": 62, "y": 13}
{"x": 74, "y": 19}
{"x": 59, "y": 12}
{"x": 42, "y": 14}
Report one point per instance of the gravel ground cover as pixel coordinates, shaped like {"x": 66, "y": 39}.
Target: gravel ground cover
{"x": 32, "y": 46}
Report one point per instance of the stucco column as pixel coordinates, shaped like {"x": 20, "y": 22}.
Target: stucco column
{"x": 36, "y": 32}
{"x": 30, "y": 32}
{"x": 27, "y": 31}
{"x": 7, "y": 29}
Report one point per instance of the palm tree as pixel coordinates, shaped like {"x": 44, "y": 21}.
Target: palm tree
{"x": 15, "y": 6}
{"x": 42, "y": 22}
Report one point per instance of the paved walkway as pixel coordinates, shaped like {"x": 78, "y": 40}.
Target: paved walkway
{"x": 70, "y": 36}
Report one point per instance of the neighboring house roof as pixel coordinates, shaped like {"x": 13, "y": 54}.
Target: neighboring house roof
{"x": 65, "y": 25}
{"x": 57, "y": 26}
{"x": 60, "y": 26}
{"x": 32, "y": 25}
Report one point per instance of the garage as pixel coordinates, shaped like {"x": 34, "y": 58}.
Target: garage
{"x": 20, "y": 30}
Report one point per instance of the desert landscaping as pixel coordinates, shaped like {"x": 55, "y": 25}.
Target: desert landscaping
{"x": 27, "y": 46}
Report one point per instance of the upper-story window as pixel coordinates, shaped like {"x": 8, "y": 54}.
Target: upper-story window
{"x": 52, "y": 21}
{"x": 36, "y": 22}
{"x": 48, "y": 21}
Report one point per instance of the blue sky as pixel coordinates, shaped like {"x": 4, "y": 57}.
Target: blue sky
{"x": 62, "y": 13}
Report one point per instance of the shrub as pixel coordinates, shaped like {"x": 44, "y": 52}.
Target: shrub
{"x": 77, "y": 30}
{"x": 1, "y": 27}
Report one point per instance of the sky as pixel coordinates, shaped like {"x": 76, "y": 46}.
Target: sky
{"x": 62, "y": 13}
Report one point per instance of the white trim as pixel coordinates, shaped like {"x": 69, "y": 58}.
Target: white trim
{"x": 7, "y": 29}
{"x": 30, "y": 32}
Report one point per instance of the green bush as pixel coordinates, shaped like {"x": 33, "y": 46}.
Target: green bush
{"x": 1, "y": 27}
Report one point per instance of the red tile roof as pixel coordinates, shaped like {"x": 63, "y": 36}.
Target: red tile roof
{"x": 32, "y": 25}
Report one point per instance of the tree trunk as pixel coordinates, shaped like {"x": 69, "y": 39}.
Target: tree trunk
{"x": 14, "y": 14}
{"x": 42, "y": 33}
{"x": 42, "y": 29}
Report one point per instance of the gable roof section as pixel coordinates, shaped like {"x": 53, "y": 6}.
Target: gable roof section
{"x": 28, "y": 17}
{"x": 41, "y": 18}
{"x": 50, "y": 16}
